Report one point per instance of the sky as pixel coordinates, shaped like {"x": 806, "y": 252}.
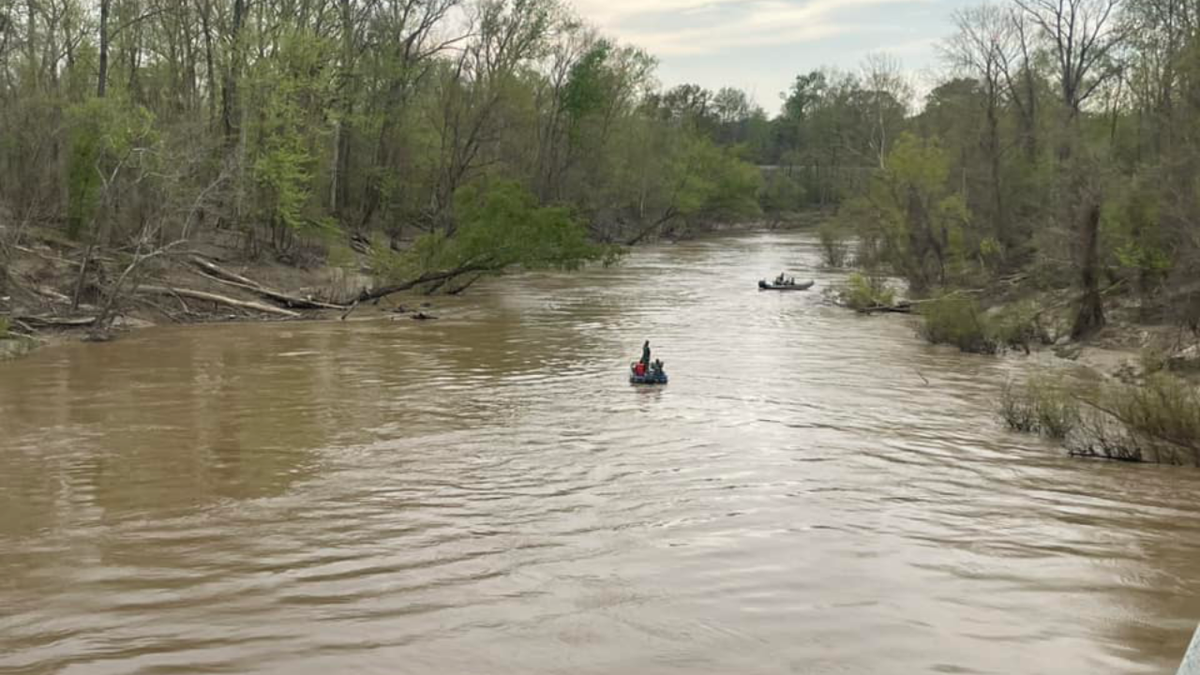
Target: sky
{"x": 760, "y": 46}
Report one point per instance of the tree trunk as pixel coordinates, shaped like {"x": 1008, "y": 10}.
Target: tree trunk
{"x": 220, "y": 299}
{"x": 229, "y": 91}
{"x": 999, "y": 224}
{"x": 102, "y": 77}
{"x": 339, "y": 189}
{"x": 210, "y": 68}
{"x": 1091, "y": 306}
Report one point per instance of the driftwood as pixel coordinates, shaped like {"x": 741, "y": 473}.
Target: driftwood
{"x": 899, "y": 308}
{"x": 104, "y": 319}
{"x": 482, "y": 266}
{"x": 221, "y": 275}
{"x": 56, "y": 321}
{"x": 220, "y": 299}
{"x": 470, "y": 282}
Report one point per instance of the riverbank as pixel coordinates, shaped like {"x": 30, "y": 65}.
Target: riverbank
{"x": 1140, "y": 398}
{"x": 47, "y": 300}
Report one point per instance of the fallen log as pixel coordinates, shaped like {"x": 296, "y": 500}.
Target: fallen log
{"x": 220, "y": 299}
{"x": 56, "y": 321}
{"x": 460, "y": 289}
{"x": 221, "y": 275}
{"x": 353, "y": 306}
{"x": 368, "y": 295}
{"x": 901, "y": 308}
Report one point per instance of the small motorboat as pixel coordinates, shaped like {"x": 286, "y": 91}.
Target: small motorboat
{"x": 764, "y": 285}
{"x": 652, "y": 375}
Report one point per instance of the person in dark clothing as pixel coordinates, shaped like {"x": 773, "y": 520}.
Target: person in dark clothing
{"x": 646, "y": 353}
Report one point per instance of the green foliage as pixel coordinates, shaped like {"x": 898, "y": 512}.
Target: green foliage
{"x": 713, "y": 183}
{"x": 910, "y": 219}
{"x": 500, "y": 226}
{"x": 1131, "y": 223}
{"x": 863, "y": 292}
{"x": 291, "y": 91}
{"x": 101, "y": 133}
{"x": 781, "y": 193}
{"x": 1164, "y": 407}
{"x": 3, "y": 327}
{"x": 834, "y": 247}
{"x": 586, "y": 90}
{"x": 502, "y": 223}
{"x": 1042, "y": 406}
{"x": 956, "y": 319}
{"x": 1018, "y": 326}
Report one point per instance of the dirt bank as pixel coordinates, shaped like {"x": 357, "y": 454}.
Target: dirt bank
{"x": 44, "y": 298}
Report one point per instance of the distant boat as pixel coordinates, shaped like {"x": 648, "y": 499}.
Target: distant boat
{"x": 763, "y": 285}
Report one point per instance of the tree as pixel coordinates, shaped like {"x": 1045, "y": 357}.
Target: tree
{"x": 889, "y": 94}
{"x": 911, "y": 219}
{"x": 983, "y": 49}
{"x": 1083, "y": 36}
{"x": 501, "y": 226}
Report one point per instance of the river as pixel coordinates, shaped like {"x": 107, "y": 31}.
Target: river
{"x": 814, "y": 492}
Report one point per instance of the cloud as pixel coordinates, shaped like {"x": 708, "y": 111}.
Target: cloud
{"x": 695, "y": 27}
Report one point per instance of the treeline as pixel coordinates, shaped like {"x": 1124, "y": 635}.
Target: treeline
{"x": 1061, "y": 146}
{"x": 458, "y": 134}
{"x": 1061, "y": 152}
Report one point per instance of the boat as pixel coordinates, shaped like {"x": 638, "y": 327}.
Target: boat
{"x": 802, "y": 286}
{"x": 651, "y": 377}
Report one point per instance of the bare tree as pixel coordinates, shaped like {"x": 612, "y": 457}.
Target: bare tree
{"x": 889, "y": 90}
{"x": 984, "y": 49}
{"x": 1083, "y": 36}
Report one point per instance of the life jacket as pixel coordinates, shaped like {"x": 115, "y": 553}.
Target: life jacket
{"x": 640, "y": 369}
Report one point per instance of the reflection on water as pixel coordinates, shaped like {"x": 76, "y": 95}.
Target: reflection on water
{"x": 814, "y": 492}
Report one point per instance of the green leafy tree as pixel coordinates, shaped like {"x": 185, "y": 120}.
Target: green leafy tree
{"x": 911, "y": 219}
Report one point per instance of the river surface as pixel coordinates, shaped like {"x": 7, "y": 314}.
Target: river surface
{"x": 814, "y": 492}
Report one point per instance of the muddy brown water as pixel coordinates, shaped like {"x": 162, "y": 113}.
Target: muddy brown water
{"x": 814, "y": 492}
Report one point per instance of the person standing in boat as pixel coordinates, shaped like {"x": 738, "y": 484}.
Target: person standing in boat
{"x": 646, "y": 354}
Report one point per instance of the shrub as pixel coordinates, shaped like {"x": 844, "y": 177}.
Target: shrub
{"x": 1017, "y": 410}
{"x": 1164, "y": 411}
{"x": 834, "y": 247}
{"x": 3, "y": 328}
{"x": 864, "y": 292}
{"x": 1102, "y": 437}
{"x": 957, "y": 320}
{"x": 1042, "y": 406}
{"x": 1017, "y": 326}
